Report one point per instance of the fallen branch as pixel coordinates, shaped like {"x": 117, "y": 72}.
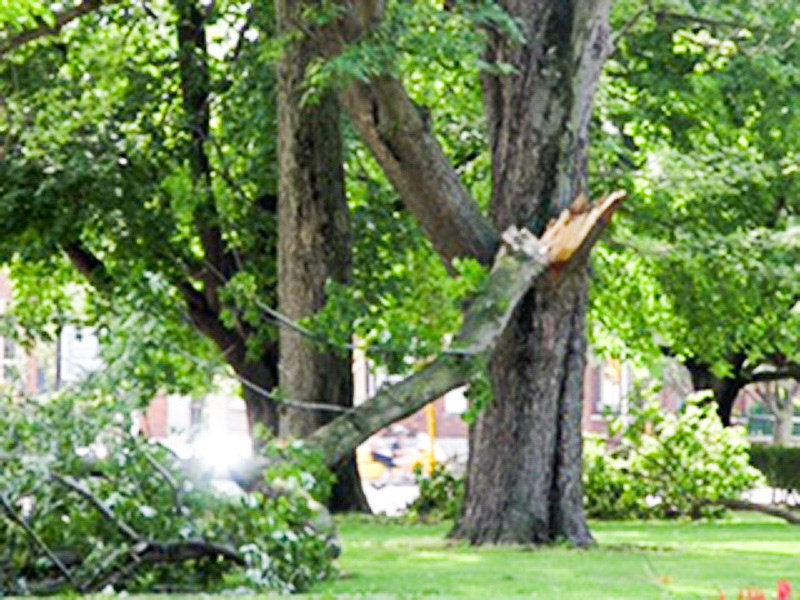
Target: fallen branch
{"x": 773, "y": 511}
{"x": 109, "y": 573}
{"x": 164, "y": 553}
{"x": 8, "y": 508}
{"x": 101, "y": 507}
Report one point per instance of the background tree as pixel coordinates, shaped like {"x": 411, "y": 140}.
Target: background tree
{"x": 699, "y": 119}
{"x": 315, "y": 248}
{"x": 142, "y": 148}
{"x": 780, "y": 399}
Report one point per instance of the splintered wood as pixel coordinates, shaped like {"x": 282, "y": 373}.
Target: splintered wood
{"x": 577, "y": 227}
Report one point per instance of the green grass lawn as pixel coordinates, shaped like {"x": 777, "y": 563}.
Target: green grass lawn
{"x": 633, "y": 560}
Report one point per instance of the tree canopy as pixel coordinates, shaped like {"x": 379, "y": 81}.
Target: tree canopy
{"x": 699, "y": 119}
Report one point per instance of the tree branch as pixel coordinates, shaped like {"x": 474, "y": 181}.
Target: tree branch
{"x": 402, "y": 141}
{"x": 8, "y": 508}
{"x": 200, "y": 313}
{"x": 519, "y": 263}
{"x": 44, "y": 30}
{"x": 663, "y": 15}
{"x": 196, "y": 91}
{"x": 410, "y": 155}
{"x": 88, "y": 264}
{"x": 521, "y": 260}
{"x": 773, "y": 511}
{"x": 101, "y": 507}
{"x": 786, "y": 372}
{"x": 164, "y": 553}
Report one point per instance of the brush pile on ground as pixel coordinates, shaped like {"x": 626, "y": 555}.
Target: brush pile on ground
{"x": 87, "y": 505}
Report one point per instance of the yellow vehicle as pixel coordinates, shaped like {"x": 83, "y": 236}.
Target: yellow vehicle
{"x": 369, "y": 468}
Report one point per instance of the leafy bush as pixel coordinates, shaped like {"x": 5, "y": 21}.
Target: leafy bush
{"x": 440, "y": 494}
{"x": 85, "y": 505}
{"x": 666, "y": 465}
{"x": 781, "y": 466}
{"x": 611, "y": 492}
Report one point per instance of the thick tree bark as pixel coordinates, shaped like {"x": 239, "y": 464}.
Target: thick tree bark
{"x": 315, "y": 247}
{"x": 524, "y": 474}
{"x": 524, "y": 481}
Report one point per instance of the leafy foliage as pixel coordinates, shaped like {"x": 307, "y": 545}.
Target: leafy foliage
{"x": 97, "y": 149}
{"x": 667, "y": 465}
{"x": 441, "y": 494}
{"x": 116, "y": 510}
{"x": 698, "y": 120}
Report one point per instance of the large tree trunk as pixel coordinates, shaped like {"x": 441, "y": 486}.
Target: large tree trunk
{"x": 538, "y": 119}
{"x": 524, "y": 476}
{"x": 315, "y": 246}
{"x": 525, "y": 457}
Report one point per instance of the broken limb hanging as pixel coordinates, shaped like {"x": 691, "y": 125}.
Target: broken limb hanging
{"x": 521, "y": 260}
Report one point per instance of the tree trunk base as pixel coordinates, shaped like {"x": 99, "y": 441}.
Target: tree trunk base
{"x": 348, "y": 494}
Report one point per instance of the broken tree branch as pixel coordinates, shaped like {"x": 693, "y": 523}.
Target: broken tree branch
{"x": 8, "y": 508}
{"x": 521, "y": 260}
{"x": 101, "y": 507}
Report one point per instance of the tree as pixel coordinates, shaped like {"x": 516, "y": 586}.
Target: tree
{"x": 544, "y": 63}
{"x": 780, "y": 399}
{"x": 699, "y": 121}
{"x": 166, "y": 202}
{"x": 315, "y": 247}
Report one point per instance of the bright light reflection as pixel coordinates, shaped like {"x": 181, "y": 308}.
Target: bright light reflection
{"x": 221, "y": 453}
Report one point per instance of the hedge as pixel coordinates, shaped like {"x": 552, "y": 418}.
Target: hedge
{"x": 780, "y": 465}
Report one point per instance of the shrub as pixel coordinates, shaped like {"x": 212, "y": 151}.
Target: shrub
{"x": 780, "y": 465}
{"x": 85, "y": 506}
{"x": 611, "y": 492}
{"x": 440, "y": 494}
{"x": 667, "y": 465}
